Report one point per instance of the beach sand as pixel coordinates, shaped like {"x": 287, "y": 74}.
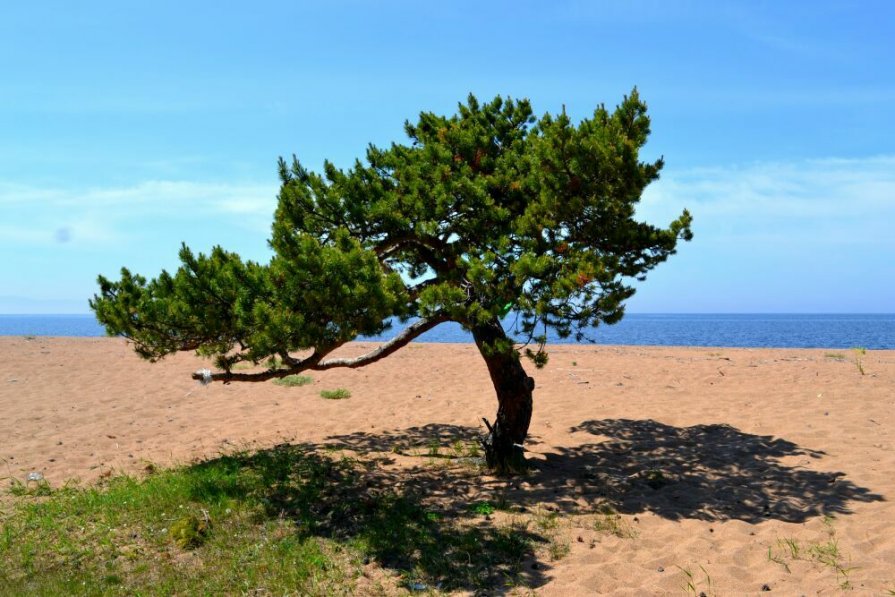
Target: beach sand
{"x": 718, "y": 460}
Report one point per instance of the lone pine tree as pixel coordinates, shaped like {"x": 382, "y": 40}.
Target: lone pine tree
{"x": 486, "y": 212}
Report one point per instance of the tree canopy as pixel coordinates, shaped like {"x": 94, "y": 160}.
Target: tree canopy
{"x": 484, "y": 212}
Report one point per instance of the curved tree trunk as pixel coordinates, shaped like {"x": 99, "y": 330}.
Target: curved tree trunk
{"x": 503, "y": 446}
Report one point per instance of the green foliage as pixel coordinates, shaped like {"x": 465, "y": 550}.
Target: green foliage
{"x": 487, "y": 211}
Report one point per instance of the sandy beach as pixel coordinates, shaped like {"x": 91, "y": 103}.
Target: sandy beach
{"x": 716, "y": 459}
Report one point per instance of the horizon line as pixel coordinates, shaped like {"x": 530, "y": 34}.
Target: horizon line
{"x": 82, "y": 314}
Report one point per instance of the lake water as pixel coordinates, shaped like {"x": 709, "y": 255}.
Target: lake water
{"x": 738, "y": 330}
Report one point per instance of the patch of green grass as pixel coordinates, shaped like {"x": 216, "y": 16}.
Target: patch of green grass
{"x": 286, "y": 520}
{"x": 291, "y": 381}
{"x": 838, "y": 356}
{"x": 337, "y": 394}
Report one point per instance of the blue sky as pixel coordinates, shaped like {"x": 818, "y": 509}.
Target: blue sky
{"x": 126, "y": 128}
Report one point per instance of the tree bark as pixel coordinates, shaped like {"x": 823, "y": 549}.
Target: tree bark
{"x": 504, "y": 450}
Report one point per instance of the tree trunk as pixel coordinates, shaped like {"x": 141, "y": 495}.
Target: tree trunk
{"x": 503, "y": 446}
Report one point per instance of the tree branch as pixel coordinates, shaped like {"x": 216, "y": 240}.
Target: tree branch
{"x": 403, "y": 339}
{"x": 296, "y": 366}
{"x": 432, "y": 250}
{"x": 315, "y": 361}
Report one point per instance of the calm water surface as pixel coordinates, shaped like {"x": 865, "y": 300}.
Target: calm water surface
{"x": 749, "y": 331}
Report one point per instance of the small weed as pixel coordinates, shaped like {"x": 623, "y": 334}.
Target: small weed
{"x": 610, "y": 521}
{"x": 792, "y": 546}
{"x": 574, "y": 363}
{"x": 291, "y": 381}
{"x": 482, "y": 508}
{"x": 772, "y": 557}
{"x": 691, "y": 582}
{"x": 859, "y": 358}
{"x": 837, "y": 356}
{"x": 29, "y": 338}
{"x": 337, "y": 394}
{"x": 558, "y": 549}
{"x": 546, "y": 522}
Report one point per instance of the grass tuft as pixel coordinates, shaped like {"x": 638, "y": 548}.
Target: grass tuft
{"x": 610, "y": 521}
{"x": 293, "y": 381}
{"x": 859, "y": 358}
{"x": 337, "y": 394}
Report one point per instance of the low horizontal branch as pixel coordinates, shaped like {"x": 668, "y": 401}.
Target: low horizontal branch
{"x": 315, "y": 361}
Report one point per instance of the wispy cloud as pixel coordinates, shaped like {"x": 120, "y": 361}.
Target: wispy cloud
{"x": 103, "y": 215}
{"x": 798, "y": 236}
{"x": 828, "y": 200}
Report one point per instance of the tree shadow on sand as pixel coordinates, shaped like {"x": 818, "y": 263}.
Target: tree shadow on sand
{"x": 705, "y": 472}
{"x": 416, "y": 500}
